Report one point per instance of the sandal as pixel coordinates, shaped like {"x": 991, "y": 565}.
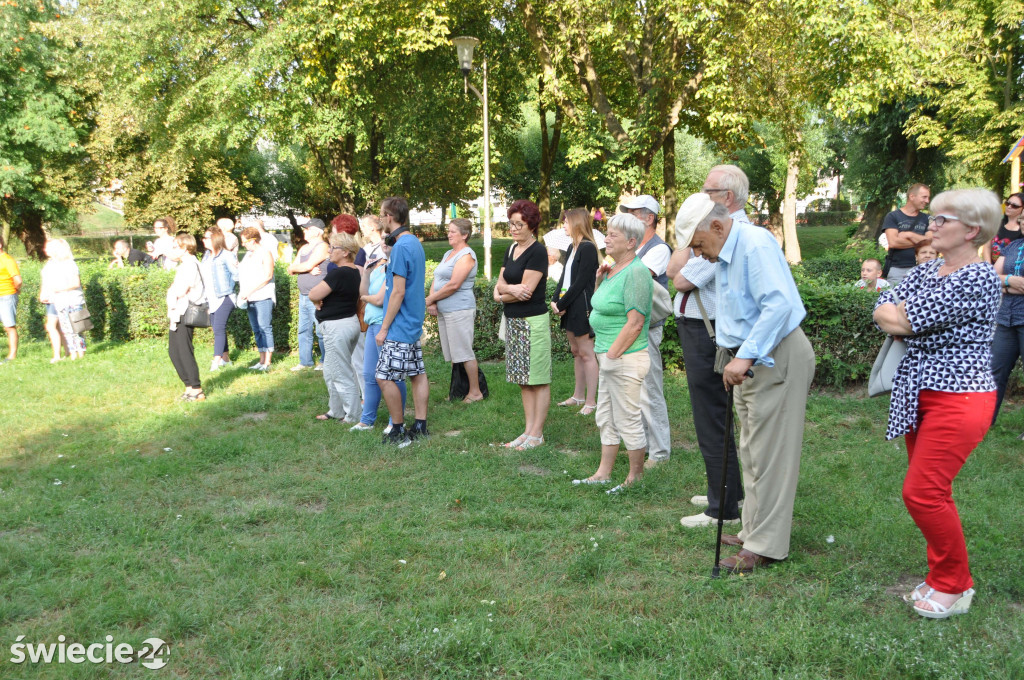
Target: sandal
{"x": 467, "y": 400}
{"x": 938, "y": 611}
{"x": 572, "y": 401}
{"x": 516, "y": 442}
{"x": 530, "y": 443}
{"x": 915, "y": 594}
{"x": 194, "y": 396}
{"x": 587, "y": 410}
{"x": 323, "y": 416}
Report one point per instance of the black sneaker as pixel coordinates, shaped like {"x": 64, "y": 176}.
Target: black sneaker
{"x": 398, "y": 436}
{"x": 418, "y": 432}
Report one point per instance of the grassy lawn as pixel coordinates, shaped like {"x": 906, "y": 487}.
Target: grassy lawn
{"x": 103, "y": 221}
{"x": 260, "y": 543}
{"x": 814, "y": 241}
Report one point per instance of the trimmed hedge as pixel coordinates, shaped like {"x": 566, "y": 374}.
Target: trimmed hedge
{"x": 128, "y": 304}
{"x": 822, "y": 219}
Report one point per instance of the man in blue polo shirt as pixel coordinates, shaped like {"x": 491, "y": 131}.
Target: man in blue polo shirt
{"x": 758, "y": 322}
{"x": 401, "y": 356}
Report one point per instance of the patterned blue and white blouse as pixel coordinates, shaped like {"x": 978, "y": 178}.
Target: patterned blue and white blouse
{"x": 953, "y": 319}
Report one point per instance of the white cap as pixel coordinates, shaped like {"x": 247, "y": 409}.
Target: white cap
{"x": 691, "y": 213}
{"x": 643, "y": 201}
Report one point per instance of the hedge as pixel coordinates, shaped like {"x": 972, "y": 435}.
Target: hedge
{"x": 129, "y": 304}
{"x": 821, "y": 219}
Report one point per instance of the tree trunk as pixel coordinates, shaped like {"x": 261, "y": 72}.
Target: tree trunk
{"x": 789, "y": 238}
{"x": 32, "y": 235}
{"x": 375, "y": 139}
{"x": 548, "y": 152}
{"x": 670, "y": 204}
{"x": 871, "y": 221}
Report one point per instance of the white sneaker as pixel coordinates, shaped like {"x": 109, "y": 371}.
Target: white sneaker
{"x": 256, "y": 366}
{"x": 703, "y": 520}
{"x": 360, "y": 427}
{"x": 298, "y": 367}
{"x": 387, "y": 430}
{"x": 263, "y": 368}
{"x": 214, "y": 365}
{"x": 319, "y": 367}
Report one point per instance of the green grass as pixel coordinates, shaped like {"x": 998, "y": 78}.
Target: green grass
{"x": 815, "y": 241}
{"x": 260, "y": 543}
{"x": 103, "y": 221}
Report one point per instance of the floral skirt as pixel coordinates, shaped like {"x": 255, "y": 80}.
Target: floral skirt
{"x": 528, "y": 350}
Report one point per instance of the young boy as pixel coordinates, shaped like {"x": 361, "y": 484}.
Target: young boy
{"x": 871, "y": 275}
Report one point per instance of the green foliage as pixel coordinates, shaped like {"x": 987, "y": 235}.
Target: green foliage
{"x": 45, "y": 120}
{"x": 840, "y": 328}
{"x": 828, "y": 205}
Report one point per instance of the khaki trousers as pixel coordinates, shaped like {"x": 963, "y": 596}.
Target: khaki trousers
{"x": 770, "y": 412}
{"x": 619, "y": 384}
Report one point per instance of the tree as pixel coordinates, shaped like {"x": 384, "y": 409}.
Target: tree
{"x": 45, "y": 123}
{"x": 973, "y": 86}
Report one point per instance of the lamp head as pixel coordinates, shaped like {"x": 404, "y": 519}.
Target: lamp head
{"x": 464, "y": 46}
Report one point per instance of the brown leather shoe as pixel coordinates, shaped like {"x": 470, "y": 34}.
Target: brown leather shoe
{"x": 732, "y": 539}
{"x": 745, "y": 562}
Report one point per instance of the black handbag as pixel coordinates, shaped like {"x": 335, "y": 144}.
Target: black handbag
{"x": 81, "y": 320}
{"x": 460, "y": 382}
{"x": 196, "y": 316}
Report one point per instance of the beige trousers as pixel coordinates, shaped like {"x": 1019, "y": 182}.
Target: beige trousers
{"x": 770, "y": 412}
{"x": 619, "y": 384}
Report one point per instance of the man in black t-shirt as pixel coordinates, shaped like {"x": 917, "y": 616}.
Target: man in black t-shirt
{"x": 904, "y": 228}
{"x": 126, "y": 255}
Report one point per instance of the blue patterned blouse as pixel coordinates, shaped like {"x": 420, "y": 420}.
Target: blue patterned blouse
{"x": 953, "y": 318}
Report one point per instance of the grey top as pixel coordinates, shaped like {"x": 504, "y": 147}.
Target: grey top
{"x": 306, "y": 280}
{"x": 463, "y": 298}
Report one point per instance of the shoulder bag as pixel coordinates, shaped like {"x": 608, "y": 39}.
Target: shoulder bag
{"x": 81, "y": 320}
{"x": 884, "y": 369}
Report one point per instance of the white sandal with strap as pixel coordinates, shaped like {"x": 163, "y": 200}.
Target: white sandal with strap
{"x": 939, "y": 611}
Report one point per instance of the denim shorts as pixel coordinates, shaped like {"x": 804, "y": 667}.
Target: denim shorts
{"x": 9, "y": 310}
{"x": 51, "y": 309}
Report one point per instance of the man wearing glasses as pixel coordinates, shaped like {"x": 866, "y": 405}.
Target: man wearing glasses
{"x": 904, "y": 228}
{"x": 728, "y": 185}
{"x": 401, "y": 356}
{"x": 694, "y": 278}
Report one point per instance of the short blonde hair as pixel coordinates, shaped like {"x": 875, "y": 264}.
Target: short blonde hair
{"x": 974, "y": 207}
{"x": 186, "y": 241}
{"x": 347, "y": 242}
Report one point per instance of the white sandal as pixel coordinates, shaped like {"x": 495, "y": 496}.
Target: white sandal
{"x": 939, "y": 611}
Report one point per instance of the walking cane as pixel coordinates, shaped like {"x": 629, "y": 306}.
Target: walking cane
{"x": 725, "y": 468}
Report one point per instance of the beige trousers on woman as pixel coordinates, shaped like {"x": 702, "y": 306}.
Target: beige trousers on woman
{"x": 619, "y": 384}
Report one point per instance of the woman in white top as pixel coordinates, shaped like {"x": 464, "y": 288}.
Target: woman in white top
{"x": 186, "y": 289}
{"x": 47, "y": 278}
{"x": 256, "y": 290}
{"x": 62, "y": 287}
{"x": 453, "y": 302}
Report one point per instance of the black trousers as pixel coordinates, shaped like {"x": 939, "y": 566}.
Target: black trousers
{"x": 709, "y": 401}
{"x": 183, "y": 356}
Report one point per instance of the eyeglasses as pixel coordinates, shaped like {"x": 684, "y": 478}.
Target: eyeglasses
{"x": 712, "y": 191}
{"x": 333, "y": 248}
{"x": 516, "y": 226}
{"x": 1015, "y": 206}
{"x": 940, "y": 220}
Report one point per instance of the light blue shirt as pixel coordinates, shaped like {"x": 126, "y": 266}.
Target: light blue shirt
{"x": 758, "y": 303}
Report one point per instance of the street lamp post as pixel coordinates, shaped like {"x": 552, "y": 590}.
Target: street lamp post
{"x": 464, "y": 46}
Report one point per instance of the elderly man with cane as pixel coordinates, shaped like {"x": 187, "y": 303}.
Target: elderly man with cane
{"x": 758, "y": 330}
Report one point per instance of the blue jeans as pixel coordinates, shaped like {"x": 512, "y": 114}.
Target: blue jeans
{"x": 1007, "y": 346}
{"x": 371, "y": 390}
{"x": 261, "y": 313}
{"x": 307, "y": 325}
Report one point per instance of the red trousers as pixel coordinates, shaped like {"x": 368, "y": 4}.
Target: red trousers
{"x": 951, "y": 426}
